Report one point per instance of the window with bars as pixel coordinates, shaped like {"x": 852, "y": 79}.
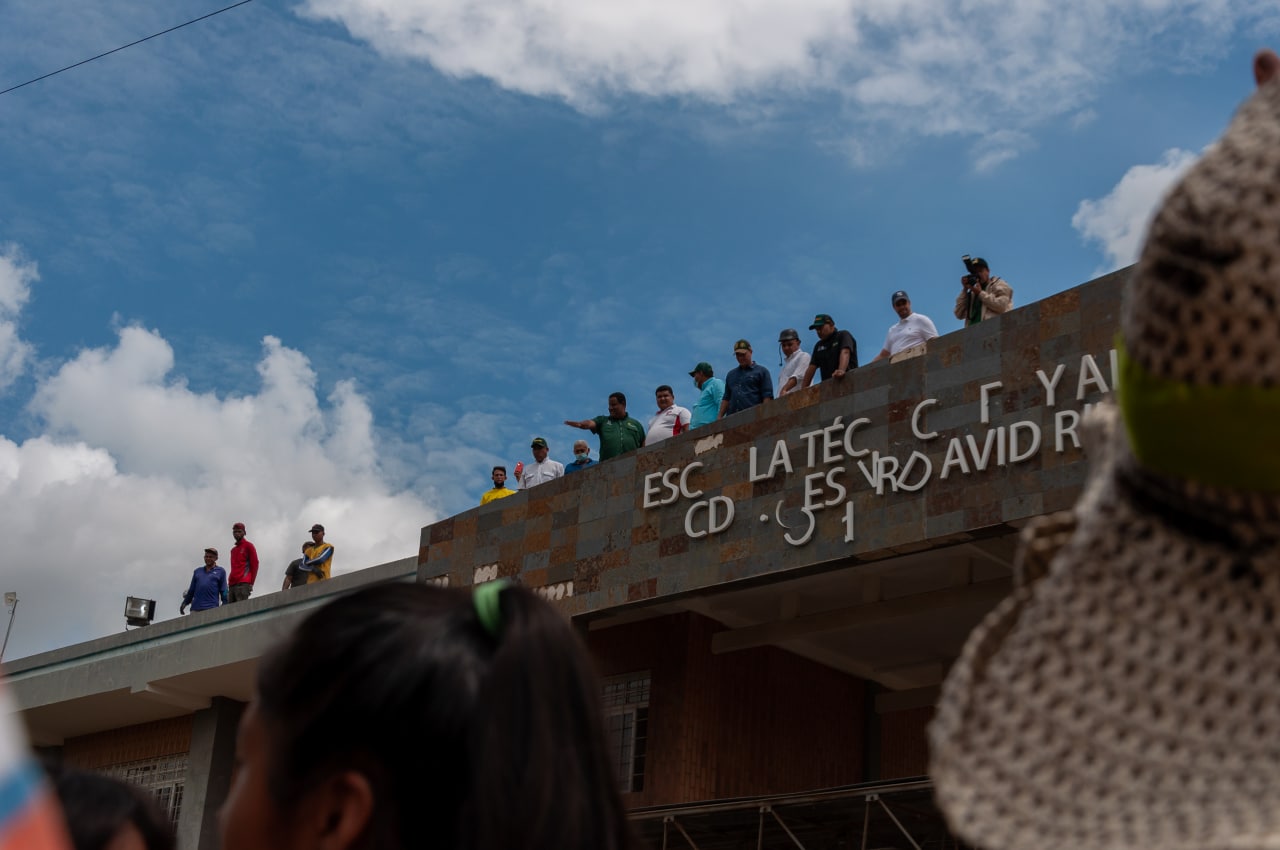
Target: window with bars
{"x": 626, "y": 723}
{"x": 165, "y": 777}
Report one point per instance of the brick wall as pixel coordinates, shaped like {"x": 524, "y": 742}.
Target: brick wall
{"x": 760, "y": 721}
{"x": 132, "y": 743}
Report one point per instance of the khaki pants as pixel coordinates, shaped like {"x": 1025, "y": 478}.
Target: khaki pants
{"x": 239, "y": 592}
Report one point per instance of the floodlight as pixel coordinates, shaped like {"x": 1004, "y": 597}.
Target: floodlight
{"x": 139, "y": 612}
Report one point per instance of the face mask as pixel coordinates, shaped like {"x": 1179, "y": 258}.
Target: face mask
{"x": 581, "y": 456}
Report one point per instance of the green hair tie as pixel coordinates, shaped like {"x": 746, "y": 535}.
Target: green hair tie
{"x": 488, "y": 611}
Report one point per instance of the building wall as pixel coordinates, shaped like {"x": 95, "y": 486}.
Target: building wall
{"x": 131, "y": 743}
{"x": 904, "y": 746}
{"x": 760, "y": 721}
{"x": 600, "y": 539}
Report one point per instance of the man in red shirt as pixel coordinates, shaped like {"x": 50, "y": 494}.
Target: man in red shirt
{"x": 244, "y": 565}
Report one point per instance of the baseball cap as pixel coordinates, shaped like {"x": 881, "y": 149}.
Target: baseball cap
{"x": 317, "y": 527}
{"x": 239, "y": 526}
{"x": 900, "y": 295}
{"x": 209, "y": 550}
{"x": 705, "y": 368}
{"x": 538, "y": 443}
{"x": 788, "y": 333}
{"x": 742, "y": 345}
{"x": 820, "y": 320}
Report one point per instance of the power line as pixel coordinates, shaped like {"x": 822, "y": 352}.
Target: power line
{"x": 125, "y": 46}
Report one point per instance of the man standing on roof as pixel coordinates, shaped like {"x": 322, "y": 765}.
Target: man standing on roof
{"x": 317, "y": 556}
{"x": 794, "y": 362}
{"x": 618, "y": 432}
{"x": 835, "y": 352}
{"x": 747, "y": 384}
{"x": 499, "y": 491}
{"x": 982, "y": 295}
{"x": 542, "y": 469}
{"x": 581, "y": 457}
{"x": 244, "y": 566}
{"x": 670, "y": 420}
{"x": 707, "y": 408}
{"x": 208, "y": 588}
{"x": 910, "y": 330}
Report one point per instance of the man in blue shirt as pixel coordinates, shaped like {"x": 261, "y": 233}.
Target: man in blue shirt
{"x": 208, "y": 585}
{"x": 747, "y": 384}
{"x": 581, "y": 457}
{"x": 707, "y": 408}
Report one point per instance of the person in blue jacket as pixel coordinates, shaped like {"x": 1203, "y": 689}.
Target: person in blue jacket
{"x": 208, "y": 585}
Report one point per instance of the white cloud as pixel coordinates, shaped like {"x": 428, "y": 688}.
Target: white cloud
{"x": 952, "y": 67}
{"x": 16, "y": 277}
{"x": 1118, "y": 221}
{"x": 136, "y": 474}
{"x": 575, "y": 50}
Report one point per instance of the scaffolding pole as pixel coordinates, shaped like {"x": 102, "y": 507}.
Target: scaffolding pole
{"x": 789, "y": 833}
{"x": 670, "y": 819}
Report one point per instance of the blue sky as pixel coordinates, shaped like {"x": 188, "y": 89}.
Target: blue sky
{"x": 331, "y": 260}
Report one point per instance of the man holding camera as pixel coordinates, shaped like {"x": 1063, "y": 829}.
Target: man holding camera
{"x": 982, "y": 294}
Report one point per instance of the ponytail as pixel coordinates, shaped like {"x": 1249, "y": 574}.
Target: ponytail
{"x": 541, "y": 775}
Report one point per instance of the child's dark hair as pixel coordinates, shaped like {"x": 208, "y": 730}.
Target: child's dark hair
{"x": 470, "y": 739}
{"x": 97, "y": 807}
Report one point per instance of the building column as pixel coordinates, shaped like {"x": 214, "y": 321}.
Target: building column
{"x": 209, "y": 766}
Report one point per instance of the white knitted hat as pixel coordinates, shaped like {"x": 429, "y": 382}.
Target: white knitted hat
{"x": 1127, "y": 695}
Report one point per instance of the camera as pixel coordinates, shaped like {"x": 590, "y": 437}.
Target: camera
{"x": 971, "y": 267}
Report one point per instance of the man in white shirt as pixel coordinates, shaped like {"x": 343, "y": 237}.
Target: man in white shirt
{"x": 794, "y": 362}
{"x": 671, "y": 418}
{"x": 541, "y": 469}
{"x": 910, "y": 330}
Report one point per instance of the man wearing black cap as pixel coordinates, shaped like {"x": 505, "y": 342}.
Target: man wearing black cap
{"x": 794, "y": 362}
{"x": 984, "y": 298}
{"x": 208, "y": 588}
{"x": 317, "y": 557}
{"x": 835, "y": 352}
{"x": 542, "y": 469}
{"x": 712, "y": 389}
{"x": 910, "y": 330}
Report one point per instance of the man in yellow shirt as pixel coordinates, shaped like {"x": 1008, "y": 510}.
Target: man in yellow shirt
{"x": 317, "y": 556}
{"x": 499, "y": 490}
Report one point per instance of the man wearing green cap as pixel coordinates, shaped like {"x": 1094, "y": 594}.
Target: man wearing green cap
{"x": 542, "y": 469}
{"x": 747, "y": 384}
{"x": 707, "y": 408}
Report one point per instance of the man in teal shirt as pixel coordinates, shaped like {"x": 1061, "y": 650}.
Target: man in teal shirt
{"x": 618, "y": 432}
{"x": 707, "y": 410}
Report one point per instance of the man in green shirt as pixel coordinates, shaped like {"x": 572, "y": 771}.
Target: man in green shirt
{"x": 618, "y": 432}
